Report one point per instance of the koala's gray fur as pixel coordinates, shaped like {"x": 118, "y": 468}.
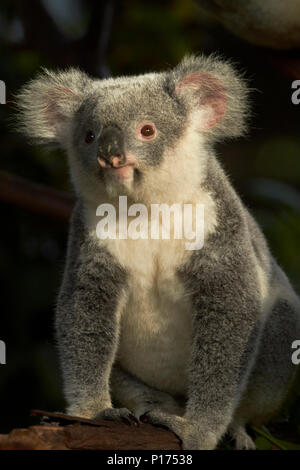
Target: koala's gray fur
{"x": 198, "y": 341}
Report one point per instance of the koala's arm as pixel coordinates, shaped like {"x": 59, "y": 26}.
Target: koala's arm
{"x": 87, "y": 321}
{"x": 222, "y": 282}
{"x": 225, "y": 328}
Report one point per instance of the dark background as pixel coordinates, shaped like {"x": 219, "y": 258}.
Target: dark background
{"x": 120, "y": 38}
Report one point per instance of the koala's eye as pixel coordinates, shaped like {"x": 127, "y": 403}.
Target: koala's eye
{"x": 89, "y": 137}
{"x": 146, "y": 131}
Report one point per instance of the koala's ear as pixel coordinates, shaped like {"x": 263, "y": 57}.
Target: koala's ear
{"x": 216, "y": 96}
{"x": 47, "y": 104}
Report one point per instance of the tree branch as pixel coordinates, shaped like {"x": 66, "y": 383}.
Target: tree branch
{"x": 67, "y": 432}
{"x": 34, "y": 197}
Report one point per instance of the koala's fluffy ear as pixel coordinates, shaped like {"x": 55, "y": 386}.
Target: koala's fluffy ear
{"x": 214, "y": 93}
{"x": 47, "y": 104}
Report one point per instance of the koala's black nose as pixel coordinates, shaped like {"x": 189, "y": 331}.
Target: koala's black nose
{"x": 111, "y": 147}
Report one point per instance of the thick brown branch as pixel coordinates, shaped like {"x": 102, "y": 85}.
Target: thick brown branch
{"x": 35, "y": 198}
{"x": 89, "y": 435}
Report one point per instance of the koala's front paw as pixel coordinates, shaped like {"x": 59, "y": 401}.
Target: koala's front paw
{"x": 109, "y": 413}
{"x": 192, "y": 435}
{"x": 157, "y": 401}
{"x": 117, "y": 414}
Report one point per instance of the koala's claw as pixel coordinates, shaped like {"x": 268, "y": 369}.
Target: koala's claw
{"x": 159, "y": 418}
{"x": 118, "y": 414}
{"x": 152, "y": 417}
{"x": 242, "y": 440}
{"x": 192, "y": 435}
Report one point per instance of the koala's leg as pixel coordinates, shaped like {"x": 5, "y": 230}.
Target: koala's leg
{"x": 87, "y": 323}
{"x": 273, "y": 373}
{"x": 130, "y": 392}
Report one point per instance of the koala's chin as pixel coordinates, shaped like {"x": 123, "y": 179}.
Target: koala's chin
{"x": 120, "y": 181}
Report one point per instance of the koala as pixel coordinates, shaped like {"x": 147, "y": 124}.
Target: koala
{"x": 198, "y": 341}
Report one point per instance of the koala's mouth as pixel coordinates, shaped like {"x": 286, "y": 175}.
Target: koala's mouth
{"x": 116, "y": 169}
{"x": 123, "y": 172}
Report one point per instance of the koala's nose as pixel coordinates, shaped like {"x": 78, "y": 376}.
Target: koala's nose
{"x": 114, "y": 161}
{"x": 111, "y": 148}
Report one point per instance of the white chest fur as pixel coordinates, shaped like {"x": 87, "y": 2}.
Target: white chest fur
{"x": 156, "y": 315}
{"x": 155, "y": 323}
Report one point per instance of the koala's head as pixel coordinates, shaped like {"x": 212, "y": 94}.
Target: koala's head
{"x": 142, "y": 135}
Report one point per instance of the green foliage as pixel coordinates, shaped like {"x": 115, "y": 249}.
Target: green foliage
{"x": 265, "y": 441}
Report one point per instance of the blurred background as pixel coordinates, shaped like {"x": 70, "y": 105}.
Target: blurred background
{"x": 115, "y": 37}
